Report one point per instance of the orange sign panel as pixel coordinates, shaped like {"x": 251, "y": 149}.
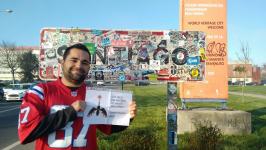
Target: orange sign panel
{"x": 208, "y": 16}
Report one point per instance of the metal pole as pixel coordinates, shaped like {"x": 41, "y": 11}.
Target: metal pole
{"x": 171, "y": 116}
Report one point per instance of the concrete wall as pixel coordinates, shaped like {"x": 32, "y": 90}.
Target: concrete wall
{"x": 230, "y": 122}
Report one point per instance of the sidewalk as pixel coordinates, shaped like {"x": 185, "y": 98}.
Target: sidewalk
{"x": 248, "y": 94}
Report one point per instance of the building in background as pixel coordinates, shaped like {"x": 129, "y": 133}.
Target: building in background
{"x": 251, "y": 76}
{"x": 256, "y": 75}
{"x": 263, "y": 74}
{"x": 5, "y": 73}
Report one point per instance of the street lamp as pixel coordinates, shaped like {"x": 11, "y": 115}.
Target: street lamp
{"x": 7, "y": 11}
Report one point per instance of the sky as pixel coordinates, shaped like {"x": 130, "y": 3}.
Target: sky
{"x": 246, "y": 20}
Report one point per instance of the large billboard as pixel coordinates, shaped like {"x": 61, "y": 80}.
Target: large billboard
{"x": 208, "y": 16}
{"x": 172, "y": 55}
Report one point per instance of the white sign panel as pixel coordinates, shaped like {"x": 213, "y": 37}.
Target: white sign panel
{"x": 107, "y": 107}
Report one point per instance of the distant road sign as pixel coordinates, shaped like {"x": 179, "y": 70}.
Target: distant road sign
{"x": 122, "y": 77}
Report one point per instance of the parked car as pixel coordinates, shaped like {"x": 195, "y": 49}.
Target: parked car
{"x": 17, "y": 92}
{"x": 263, "y": 82}
{"x": 142, "y": 82}
{"x": 100, "y": 83}
{"x": 252, "y": 83}
{"x": 1, "y": 93}
{"x": 238, "y": 83}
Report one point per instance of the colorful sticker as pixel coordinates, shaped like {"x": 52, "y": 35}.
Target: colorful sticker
{"x": 194, "y": 72}
{"x": 179, "y": 56}
{"x": 193, "y": 60}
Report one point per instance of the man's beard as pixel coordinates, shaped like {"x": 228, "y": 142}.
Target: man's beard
{"x": 75, "y": 78}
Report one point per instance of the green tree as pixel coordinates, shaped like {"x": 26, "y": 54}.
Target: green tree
{"x": 240, "y": 69}
{"x": 28, "y": 64}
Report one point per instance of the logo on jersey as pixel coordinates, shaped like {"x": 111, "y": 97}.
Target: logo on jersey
{"x": 74, "y": 93}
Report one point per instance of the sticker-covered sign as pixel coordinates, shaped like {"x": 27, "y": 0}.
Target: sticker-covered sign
{"x": 172, "y": 55}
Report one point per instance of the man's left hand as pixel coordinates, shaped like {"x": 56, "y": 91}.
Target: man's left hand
{"x": 132, "y": 109}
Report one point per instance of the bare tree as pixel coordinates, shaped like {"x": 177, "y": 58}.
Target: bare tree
{"x": 244, "y": 58}
{"x": 263, "y": 72}
{"x": 9, "y": 57}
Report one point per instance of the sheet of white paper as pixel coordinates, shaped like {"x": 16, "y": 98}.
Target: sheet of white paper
{"x": 118, "y": 110}
{"x": 107, "y": 107}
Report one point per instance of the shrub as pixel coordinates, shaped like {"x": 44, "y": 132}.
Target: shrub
{"x": 142, "y": 138}
{"x": 206, "y": 137}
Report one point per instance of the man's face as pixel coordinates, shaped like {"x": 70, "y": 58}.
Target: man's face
{"x": 76, "y": 66}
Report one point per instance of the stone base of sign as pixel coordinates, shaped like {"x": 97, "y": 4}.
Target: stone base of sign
{"x": 230, "y": 122}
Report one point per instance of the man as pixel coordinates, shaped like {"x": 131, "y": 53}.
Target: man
{"x": 51, "y": 113}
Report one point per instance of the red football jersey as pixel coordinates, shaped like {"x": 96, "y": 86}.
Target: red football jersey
{"x": 48, "y": 98}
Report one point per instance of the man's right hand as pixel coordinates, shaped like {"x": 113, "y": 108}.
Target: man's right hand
{"x": 79, "y": 105}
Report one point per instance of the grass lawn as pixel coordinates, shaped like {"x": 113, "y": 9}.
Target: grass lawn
{"x": 148, "y": 130}
{"x": 249, "y": 89}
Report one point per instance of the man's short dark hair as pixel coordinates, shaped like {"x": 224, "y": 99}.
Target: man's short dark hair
{"x": 77, "y": 46}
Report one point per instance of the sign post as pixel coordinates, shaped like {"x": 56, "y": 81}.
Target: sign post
{"x": 122, "y": 78}
{"x": 172, "y": 116}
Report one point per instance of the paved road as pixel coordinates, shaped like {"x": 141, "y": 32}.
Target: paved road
{"x": 8, "y": 127}
{"x": 249, "y": 94}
